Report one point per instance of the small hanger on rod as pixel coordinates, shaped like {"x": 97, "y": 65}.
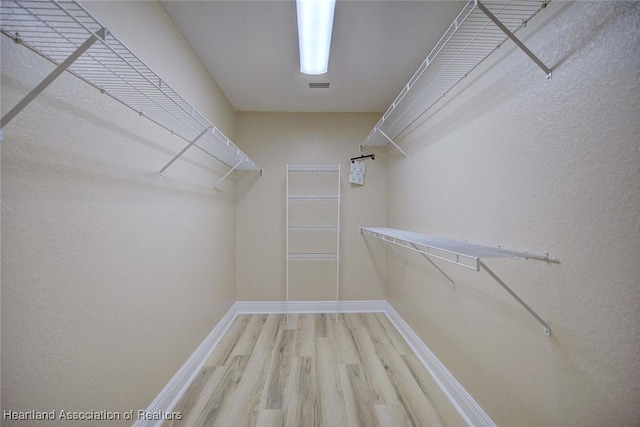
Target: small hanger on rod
{"x": 356, "y": 173}
{"x": 373, "y": 157}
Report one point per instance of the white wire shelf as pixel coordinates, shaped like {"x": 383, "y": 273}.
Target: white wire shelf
{"x": 66, "y": 34}
{"x": 314, "y": 197}
{"x": 463, "y": 254}
{"x": 312, "y": 257}
{"x": 313, "y": 168}
{"x": 478, "y": 30}
{"x": 313, "y": 227}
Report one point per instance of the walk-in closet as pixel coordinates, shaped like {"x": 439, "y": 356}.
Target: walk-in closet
{"x": 320, "y": 213}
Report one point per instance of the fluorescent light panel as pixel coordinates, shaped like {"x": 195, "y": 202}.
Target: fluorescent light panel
{"x": 315, "y": 24}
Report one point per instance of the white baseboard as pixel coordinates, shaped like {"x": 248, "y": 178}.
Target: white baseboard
{"x": 468, "y": 408}
{"x": 173, "y": 391}
{"x": 255, "y": 307}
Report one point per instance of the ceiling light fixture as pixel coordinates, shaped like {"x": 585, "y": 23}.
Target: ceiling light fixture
{"x": 315, "y": 24}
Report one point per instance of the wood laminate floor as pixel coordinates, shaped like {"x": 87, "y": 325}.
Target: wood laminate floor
{"x": 314, "y": 371}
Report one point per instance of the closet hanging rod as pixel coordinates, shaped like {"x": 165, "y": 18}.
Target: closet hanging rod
{"x": 371, "y": 156}
{"x": 62, "y": 31}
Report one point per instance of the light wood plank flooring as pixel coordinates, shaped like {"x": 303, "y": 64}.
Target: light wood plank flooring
{"x": 314, "y": 371}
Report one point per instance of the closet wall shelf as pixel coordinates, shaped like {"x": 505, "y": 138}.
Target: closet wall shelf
{"x": 312, "y": 257}
{"x": 313, "y": 168}
{"x": 313, "y": 197}
{"x": 313, "y": 228}
{"x": 462, "y": 254}
{"x": 478, "y": 30}
{"x": 66, "y": 34}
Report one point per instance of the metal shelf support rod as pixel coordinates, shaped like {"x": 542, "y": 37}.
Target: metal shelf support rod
{"x": 546, "y": 328}
{"x": 177, "y": 156}
{"x": 228, "y": 173}
{"x": 392, "y": 142}
{"x": 517, "y": 41}
{"x": 435, "y": 265}
{"x": 408, "y": 245}
{"x": 50, "y": 78}
{"x": 402, "y": 256}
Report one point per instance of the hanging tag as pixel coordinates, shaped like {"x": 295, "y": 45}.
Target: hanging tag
{"x": 356, "y": 175}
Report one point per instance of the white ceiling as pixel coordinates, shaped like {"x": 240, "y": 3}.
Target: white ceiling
{"x": 251, "y": 50}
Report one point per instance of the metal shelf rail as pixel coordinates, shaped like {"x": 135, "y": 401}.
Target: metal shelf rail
{"x": 463, "y": 254}
{"x": 327, "y": 179}
{"x": 313, "y": 197}
{"x": 66, "y": 34}
{"x": 478, "y": 30}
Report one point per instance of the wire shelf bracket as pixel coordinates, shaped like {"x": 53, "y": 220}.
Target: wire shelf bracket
{"x": 462, "y": 254}
{"x": 227, "y": 174}
{"x": 516, "y": 40}
{"x": 51, "y": 77}
{"x": 433, "y": 264}
{"x": 392, "y": 142}
{"x": 480, "y": 28}
{"x": 66, "y": 34}
{"x": 177, "y": 156}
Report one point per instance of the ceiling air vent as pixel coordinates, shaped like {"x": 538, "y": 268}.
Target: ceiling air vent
{"x": 319, "y": 85}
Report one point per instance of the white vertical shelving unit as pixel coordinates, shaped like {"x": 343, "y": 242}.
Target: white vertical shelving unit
{"x": 312, "y": 219}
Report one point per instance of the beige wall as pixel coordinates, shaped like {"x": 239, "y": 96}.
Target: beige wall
{"x": 111, "y": 276}
{"x": 517, "y": 161}
{"x": 275, "y": 139}
{"x": 0, "y": 275}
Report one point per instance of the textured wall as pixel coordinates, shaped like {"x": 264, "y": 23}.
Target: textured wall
{"x": 510, "y": 159}
{"x": 111, "y": 276}
{"x": 275, "y": 139}
{"x": 1, "y": 275}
